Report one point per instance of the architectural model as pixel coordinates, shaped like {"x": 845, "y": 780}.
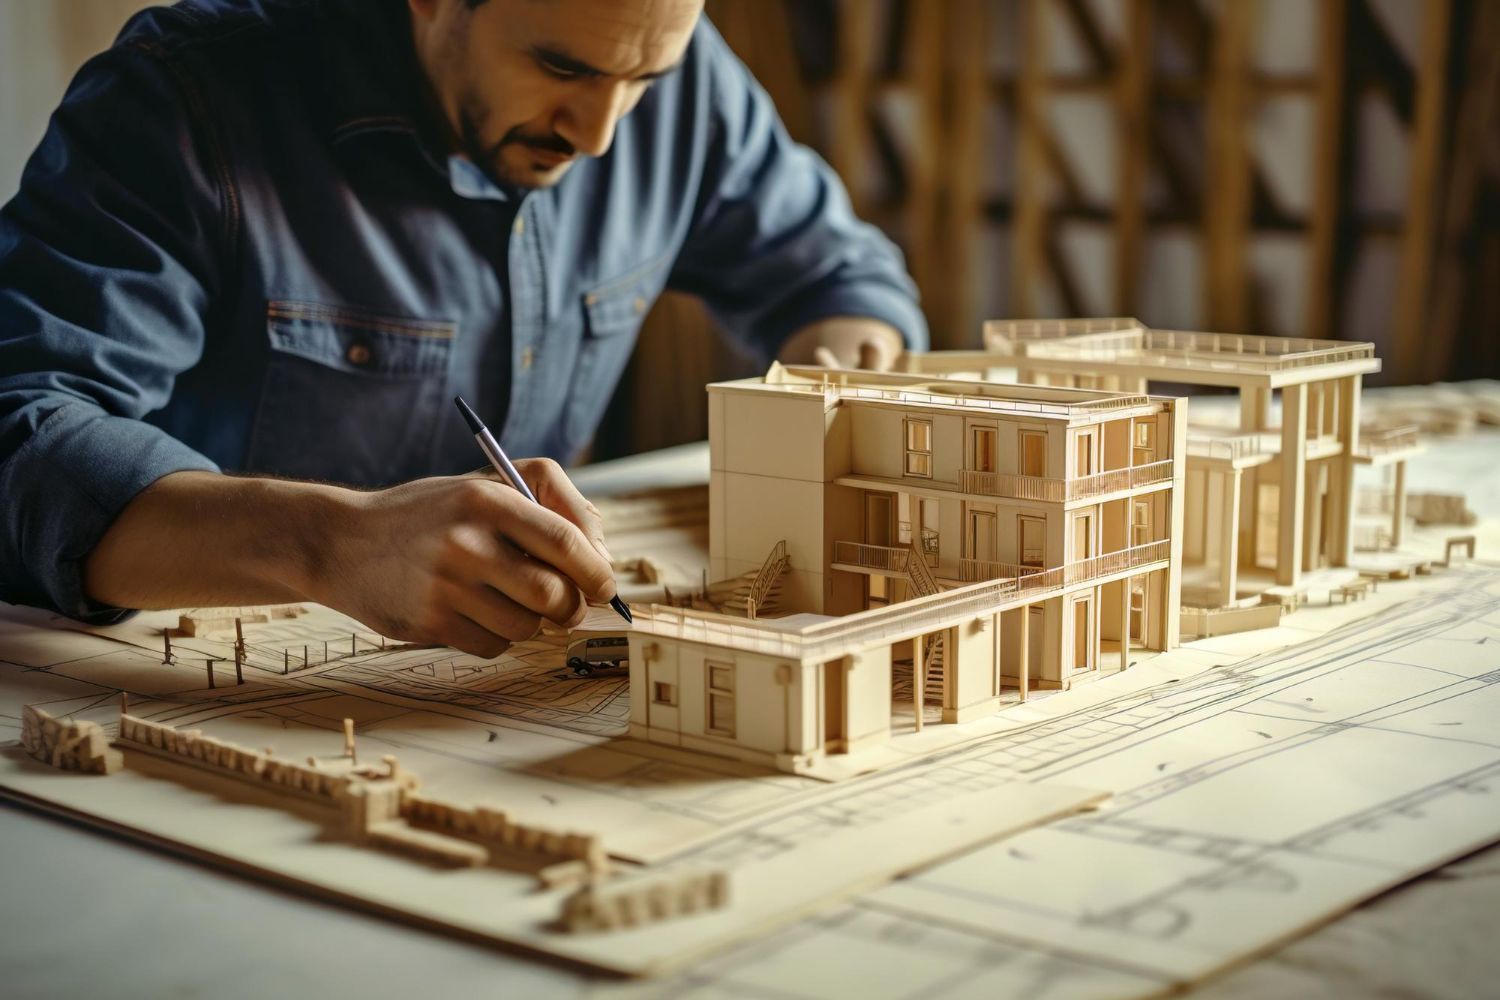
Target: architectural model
{"x": 1269, "y": 494}
{"x": 64, "y": 743}
{"x": 988, "y": 536}
{"x": 1368, "y": 724}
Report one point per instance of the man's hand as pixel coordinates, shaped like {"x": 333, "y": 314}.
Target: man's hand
{"x": 462, "y": 561}
{"x": 845, "y": 342}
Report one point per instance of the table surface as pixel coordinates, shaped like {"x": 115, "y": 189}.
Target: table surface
{"x": 88, "y": 913}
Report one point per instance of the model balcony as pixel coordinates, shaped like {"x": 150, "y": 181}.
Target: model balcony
{"x": 1253, "y": 448}
{"x": 1015, "y": 487}
{"x": 1378, "y": 446}
{"x": 888, "y": 560}
{"x": 1030, "y": 579}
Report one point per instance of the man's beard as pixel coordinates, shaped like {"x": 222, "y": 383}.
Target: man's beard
{"x": 488, "y": 157}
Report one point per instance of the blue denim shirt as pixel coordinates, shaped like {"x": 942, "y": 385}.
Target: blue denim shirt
{"x": 240, "y": 247}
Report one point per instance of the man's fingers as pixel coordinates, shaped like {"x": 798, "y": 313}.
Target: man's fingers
{"x": 824, "y": 356}
{"x": 493, "y": 612}
{"x": 874, "y": 356}
{"x": 551, "y": 538}
{"x": 467, "y": 636}
{"x": 556, "y": 492}
{"x": 536, "y": 586}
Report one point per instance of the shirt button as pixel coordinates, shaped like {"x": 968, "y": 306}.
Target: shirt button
{"x": 640, "y": 304}
{"x": 358, "y": 355}
{"x": 528, "y": 357}
{"x": 520, "y": 226}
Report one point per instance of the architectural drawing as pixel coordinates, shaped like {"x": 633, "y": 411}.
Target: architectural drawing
{"x": 1252, "y": 801}
{"x": 989, "y": 536}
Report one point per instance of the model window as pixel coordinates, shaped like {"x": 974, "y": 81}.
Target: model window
{"x": 664, "y": 693}
{"x": 720, "y": 699}
{"x": 919, "y": 448}
{"x": 1140, "y": 522}
{"x": 1033, "y": 453}
{"x": 1144, "y": 442}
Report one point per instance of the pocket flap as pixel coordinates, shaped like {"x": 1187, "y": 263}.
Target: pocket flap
{"x": 618, "y": 305}
{"x": 355, "y": 340}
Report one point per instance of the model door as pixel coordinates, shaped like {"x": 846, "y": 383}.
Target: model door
{"x": 1083, "y": 537}
{"x": 1032, "y": 543}
{"x": 983, "y": 448}
{"x": 1083, "y": 633}
{"x": 1083, "y": 462}
{"x": 1036, "y": 638}
{"x": 1138, "y": 610}
{"x": 982, "y": 535}
{"x": 879, "y": 519}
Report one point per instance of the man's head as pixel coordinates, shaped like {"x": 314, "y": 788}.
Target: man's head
{"x": 527, "y": 86}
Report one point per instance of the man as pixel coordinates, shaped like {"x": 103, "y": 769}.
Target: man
{"x": 275, "y": 239}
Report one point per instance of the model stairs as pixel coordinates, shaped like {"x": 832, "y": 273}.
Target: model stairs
{"x": 932, "y": 655}
{"x": 758, "y": 589}
{"x": 732, "y": 596}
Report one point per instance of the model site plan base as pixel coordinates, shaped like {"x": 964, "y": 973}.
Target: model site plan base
{"x": 926, "y": 612}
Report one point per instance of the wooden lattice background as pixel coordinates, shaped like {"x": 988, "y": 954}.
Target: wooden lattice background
{"x": 1326, "y": 169}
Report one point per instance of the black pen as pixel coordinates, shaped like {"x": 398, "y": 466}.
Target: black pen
{"x": 502, "y": 465}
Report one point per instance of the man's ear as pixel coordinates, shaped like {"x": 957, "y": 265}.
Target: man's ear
{"x": 424, "y": 9}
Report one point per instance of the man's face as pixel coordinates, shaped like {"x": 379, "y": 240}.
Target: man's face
{"x": 528, "y": 86}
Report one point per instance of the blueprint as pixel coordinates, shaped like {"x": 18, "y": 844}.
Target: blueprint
{"x": 1251, "y": 801}
{"x": 1243, "y": 789}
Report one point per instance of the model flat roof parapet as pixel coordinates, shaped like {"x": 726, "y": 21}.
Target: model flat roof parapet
{"x": 837, "y": 385}
{"x": 1128, "y": 342}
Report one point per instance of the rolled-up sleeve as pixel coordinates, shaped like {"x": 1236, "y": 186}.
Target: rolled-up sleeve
{"x": 109, "y": 257}
{"x": 775, "y": 244}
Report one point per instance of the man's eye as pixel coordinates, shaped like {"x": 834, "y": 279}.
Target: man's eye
{"x": 560, "y": 71}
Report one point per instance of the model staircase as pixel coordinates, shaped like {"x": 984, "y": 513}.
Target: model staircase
{"x": 924, "y": 584}
{"x": 756, "y": 592}
{"x": 932, "y": 667}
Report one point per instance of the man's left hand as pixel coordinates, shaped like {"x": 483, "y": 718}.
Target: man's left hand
{"x": 845, "y": 342}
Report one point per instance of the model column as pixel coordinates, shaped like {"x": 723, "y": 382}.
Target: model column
{"x": 1289, "y": 524}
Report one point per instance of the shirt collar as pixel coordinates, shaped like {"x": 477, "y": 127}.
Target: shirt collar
{"x": 375, "y": 86}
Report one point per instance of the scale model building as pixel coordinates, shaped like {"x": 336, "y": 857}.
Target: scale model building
{"x": 892, "y": 530}
{"x": 1267, "y": 500}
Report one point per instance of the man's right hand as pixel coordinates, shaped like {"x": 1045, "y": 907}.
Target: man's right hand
{"x": 463, "y": 561}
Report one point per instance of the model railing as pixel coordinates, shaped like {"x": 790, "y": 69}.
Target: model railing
{"x": 1003, "y": 405}
{"x": 1012, "y": 486}
{"x": 1000, "y": 334}
{"x": 1030, "y": 579}
{"x": 1379, "y": 442}
{"x": 922, "y": 581}
{"x": 827, "y": 640}
{"x": 1127, "y": 340}
{"x": 887, "y": 558}
{"x": 975, "y": 570}
{"x": 1008, "y": 484}
{"x": 1227, "y": 449}
{"x": 770, "y": 570}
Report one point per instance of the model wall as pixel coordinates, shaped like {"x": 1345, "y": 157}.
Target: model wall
{"x": 766, "y": 485}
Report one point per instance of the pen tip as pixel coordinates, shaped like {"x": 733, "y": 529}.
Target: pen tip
{"x": 469, "y": 415}
{"x": 622, "y": 608}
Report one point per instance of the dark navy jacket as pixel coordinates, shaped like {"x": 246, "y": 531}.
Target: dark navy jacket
{"x": 239, "y": 247}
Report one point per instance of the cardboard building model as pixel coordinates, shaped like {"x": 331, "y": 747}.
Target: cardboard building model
{"x": 907, "y": 540}
{"x": 1270, "y": 493}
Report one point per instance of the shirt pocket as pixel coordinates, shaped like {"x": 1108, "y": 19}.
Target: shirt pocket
{"x": 612, "y": 315}
{"x": 350, "y": 395}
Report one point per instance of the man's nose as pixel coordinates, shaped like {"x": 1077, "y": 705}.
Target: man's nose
{"x": 588, "y": 120}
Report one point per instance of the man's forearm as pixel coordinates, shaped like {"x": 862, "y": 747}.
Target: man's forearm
{"x": 200, "y": 538}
